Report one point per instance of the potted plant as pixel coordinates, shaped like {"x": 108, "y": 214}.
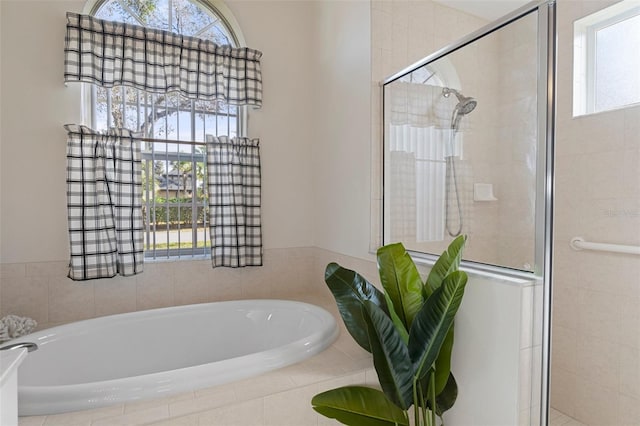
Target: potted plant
{"x": 408, "y": 329}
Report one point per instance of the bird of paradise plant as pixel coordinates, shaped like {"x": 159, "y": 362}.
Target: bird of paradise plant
{"x": 408, "y": 329}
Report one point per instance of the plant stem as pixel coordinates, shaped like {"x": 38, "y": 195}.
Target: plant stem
{"x": 432, "y": 391}
{"x": 416, "y": 409}
{"x": 423, "y": 409}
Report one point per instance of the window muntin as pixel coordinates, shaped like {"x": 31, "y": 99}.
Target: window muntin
{"x": 186, "y": 17}
{"x": 605, "y": 70}
{"x": 175, "y": 204}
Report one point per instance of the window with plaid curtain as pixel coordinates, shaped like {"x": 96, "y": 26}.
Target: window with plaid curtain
{"x": 233, "y": 169}
{"x": 104, "y": 197}
{"x": 116, "y": 55}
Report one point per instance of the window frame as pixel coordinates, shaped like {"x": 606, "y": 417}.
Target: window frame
{"x": 221, "y": 13}
{"x": 585, "y": 58}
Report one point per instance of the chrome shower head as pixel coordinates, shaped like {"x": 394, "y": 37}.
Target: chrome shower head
{"x": 465, "y": 104}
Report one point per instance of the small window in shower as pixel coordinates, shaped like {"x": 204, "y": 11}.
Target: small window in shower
{"x": 606, "y": 63}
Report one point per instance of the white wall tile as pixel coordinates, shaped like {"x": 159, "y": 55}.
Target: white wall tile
{"x": 629, "y": 374}
{"x": 115, "y": 295}
{"x": 70, "y": 300}
{"x": 597, "y": 190}
{"x": 563, "y": 390}
{"x": 629, "y": 410}
{"x": 564, "y": 348}
{"x": 25, "y": 296}
{"x": 591, "y": 408}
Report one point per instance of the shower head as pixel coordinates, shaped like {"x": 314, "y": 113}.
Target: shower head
{"x": 465, "y": 106}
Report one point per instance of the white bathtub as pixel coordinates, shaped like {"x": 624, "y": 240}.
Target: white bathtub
{"x": 139, "y": 355}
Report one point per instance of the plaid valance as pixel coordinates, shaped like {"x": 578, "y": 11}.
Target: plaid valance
{"x": 118, "y": 54}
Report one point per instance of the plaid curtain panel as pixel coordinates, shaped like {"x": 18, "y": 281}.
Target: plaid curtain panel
{"x": 117, "y": 54}
{"x": 233, "y": 170}
{"x": 104, "y": 203}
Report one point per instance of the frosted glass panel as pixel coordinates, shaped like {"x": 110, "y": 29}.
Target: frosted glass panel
{"x": 617, "y": 64}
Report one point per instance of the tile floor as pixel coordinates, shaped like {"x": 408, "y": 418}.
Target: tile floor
{"x": 557, "y": 418}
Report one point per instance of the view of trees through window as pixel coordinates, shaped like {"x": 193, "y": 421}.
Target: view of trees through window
{"x": 175, "y": 205}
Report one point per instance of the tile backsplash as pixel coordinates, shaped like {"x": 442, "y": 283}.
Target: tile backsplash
{"x": 43, "y": 292}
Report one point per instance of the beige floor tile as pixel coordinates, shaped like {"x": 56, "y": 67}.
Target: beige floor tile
{"x": 83, "y": 417}
{"x": 31, "y": 421}
{"x": 150, "y": 403}
{"x": 291, "y": 408}
{"x": 249, "y": 413}
{"x": 263, "y": 385}
{"x": 203, "y": 402}
{"x": 358, "y": 378}
{"x": 142, "y": 417}
{"x": 190, "y": 420}
{"x": 348, "y": 346}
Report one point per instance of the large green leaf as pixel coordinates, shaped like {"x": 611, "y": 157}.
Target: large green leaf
{"x": 350, "y": 290}
{"x": 390, "y": 357}
{"x": 448, "y": 262}
{"x": 359, "y": 406}
{"x": 401, "y": 281}
{"x": 445, "y": 400}
{"x": 448, "y": 396}
{"x": 396, "y": 320}
{"x": 431, "y": 325}
{"x": 443, "y": 361}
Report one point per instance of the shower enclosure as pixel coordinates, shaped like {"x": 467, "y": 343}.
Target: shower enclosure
{"x": 468, "y": 149}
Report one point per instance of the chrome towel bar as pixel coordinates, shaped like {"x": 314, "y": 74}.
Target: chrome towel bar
{"x": 578, "y": 243}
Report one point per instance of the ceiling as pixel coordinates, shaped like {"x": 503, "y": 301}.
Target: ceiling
{"x": 487, "y": 9}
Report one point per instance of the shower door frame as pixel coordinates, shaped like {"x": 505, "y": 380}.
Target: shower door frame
{"x": 546, "y": 123}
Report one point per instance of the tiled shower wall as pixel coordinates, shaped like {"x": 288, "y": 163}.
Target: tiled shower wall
{"x": 596, "y": 317}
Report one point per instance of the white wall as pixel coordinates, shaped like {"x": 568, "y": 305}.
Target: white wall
{"x": 282, "y": 30}
{"x": 341, "y": 150}
{"x": 35, "y": 104}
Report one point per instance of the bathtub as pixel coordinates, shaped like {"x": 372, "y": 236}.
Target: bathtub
{"x": 160, "y": 352}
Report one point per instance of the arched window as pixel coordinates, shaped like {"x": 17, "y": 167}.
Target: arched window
{"x": 175, "y": 209}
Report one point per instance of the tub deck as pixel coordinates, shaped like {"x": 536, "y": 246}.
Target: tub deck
{"x": 279, "y": 398}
